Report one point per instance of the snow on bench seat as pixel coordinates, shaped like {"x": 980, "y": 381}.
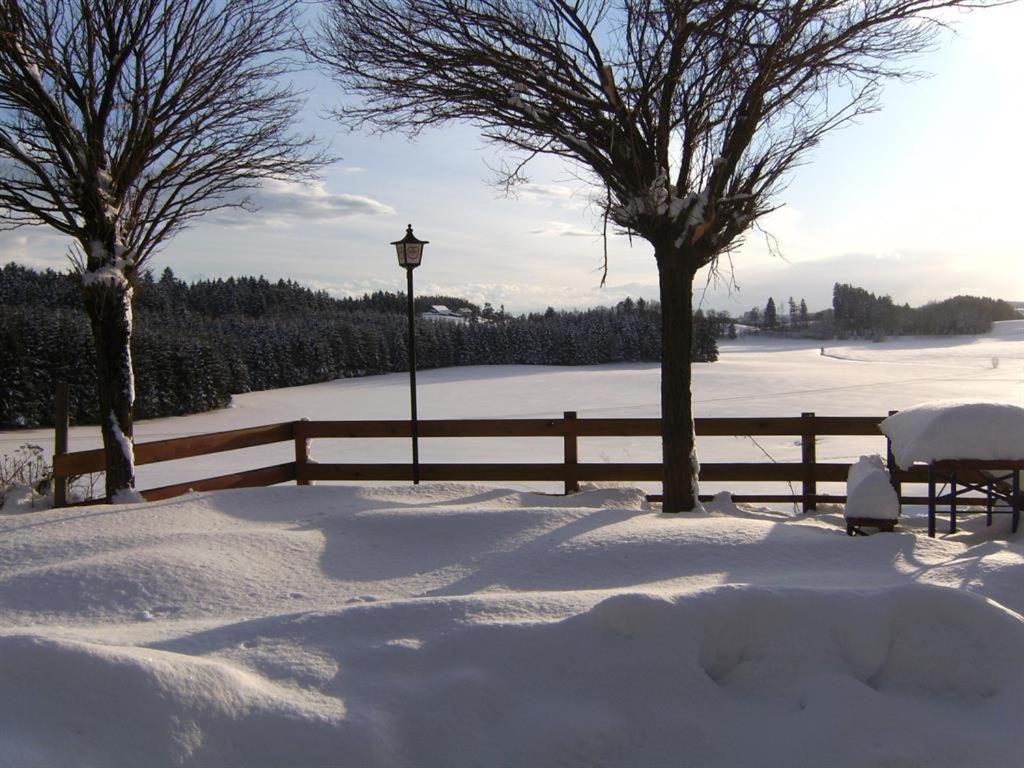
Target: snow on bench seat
{"x": 971, "y": 448}
{"x": 956, "y": 429}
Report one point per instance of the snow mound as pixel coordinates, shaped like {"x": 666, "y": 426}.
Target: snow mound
{"x": 637, "y": 680}
{"x": 19, "y": 499}
{"x": 869, "y": 494}
{"x": 74, "y": 703}
{"x": 953, "y": 429}
{"x": 447, "y": 626}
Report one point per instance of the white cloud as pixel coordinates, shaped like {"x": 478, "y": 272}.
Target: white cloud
{"x": 13, "y": 247}
{"x": 517, "y": 298}
{"x": 36, "y": 247}
{"x": 562, "y": 229}
{"x": 354, "y": 287}
{"x": 549, "y": 191}
{"x": 561, "y": 196}
{"x": 281, "y": 203}
{"x": 909, "y": 276}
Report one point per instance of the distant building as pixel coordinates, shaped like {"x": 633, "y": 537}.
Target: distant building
{"x": 441, "y": 313}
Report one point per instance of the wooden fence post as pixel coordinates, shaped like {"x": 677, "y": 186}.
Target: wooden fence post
{"x": 890, "y": 464}
{"x": 571, "y": 455}
{"x": 61, "y": 424}
{"x": 301, "y": 452}
{"x": 809, "y": 457}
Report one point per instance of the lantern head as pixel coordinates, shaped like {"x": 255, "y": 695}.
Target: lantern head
{"x": 409, "y": 249}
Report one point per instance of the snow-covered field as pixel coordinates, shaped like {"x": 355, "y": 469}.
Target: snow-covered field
{"x": 455, "y": 625}
{"x": 754, "y": 377}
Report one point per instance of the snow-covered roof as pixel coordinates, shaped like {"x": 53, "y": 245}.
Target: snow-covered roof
{"x": 956, "y": 429}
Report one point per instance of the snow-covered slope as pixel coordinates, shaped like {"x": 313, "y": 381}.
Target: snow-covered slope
{"x": 1008, "y": 328}
{"x": 459, "y": 626}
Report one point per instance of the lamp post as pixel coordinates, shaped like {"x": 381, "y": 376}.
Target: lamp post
{"x": 410, "y": 254}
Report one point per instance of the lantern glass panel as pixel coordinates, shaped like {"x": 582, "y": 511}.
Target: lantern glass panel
{"x": 413, "y": 254}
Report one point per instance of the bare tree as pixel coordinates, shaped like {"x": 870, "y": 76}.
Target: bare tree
{"x": 123, "y": 120}
{"x": 686, "y": 114}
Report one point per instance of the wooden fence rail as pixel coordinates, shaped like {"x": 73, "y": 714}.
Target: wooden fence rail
{"x": 808, "y": 472}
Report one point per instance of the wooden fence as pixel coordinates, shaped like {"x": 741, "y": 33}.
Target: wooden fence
{"x": 808, "y": 472}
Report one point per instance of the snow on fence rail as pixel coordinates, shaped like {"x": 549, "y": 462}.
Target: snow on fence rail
{"x": 570, "y": 471}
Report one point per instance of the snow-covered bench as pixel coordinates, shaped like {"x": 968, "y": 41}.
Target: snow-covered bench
{"x": 970, "y": 447}
{"x": 999, "y": 482}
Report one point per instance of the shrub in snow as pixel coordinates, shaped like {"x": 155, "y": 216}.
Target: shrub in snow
{"x": 25, "y": 477}
{"x": 26, "y": 481}
{"x": 869, "y": 493}
{"x": 952, "y": 429}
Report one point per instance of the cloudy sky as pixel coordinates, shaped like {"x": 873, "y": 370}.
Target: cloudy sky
{"x": 920, "y": 201}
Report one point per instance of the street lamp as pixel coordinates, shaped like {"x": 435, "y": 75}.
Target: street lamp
{"x": 410, "y": 254}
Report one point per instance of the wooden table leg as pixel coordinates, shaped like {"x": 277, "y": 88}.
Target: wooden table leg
{"x": 931, "y": 501}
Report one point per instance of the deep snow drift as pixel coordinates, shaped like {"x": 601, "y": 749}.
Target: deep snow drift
{"x": 455, "y": 626}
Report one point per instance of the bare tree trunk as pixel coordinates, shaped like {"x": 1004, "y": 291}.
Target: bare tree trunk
{"x": 108, "y": 302}
{"x": 679, "y": 452}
